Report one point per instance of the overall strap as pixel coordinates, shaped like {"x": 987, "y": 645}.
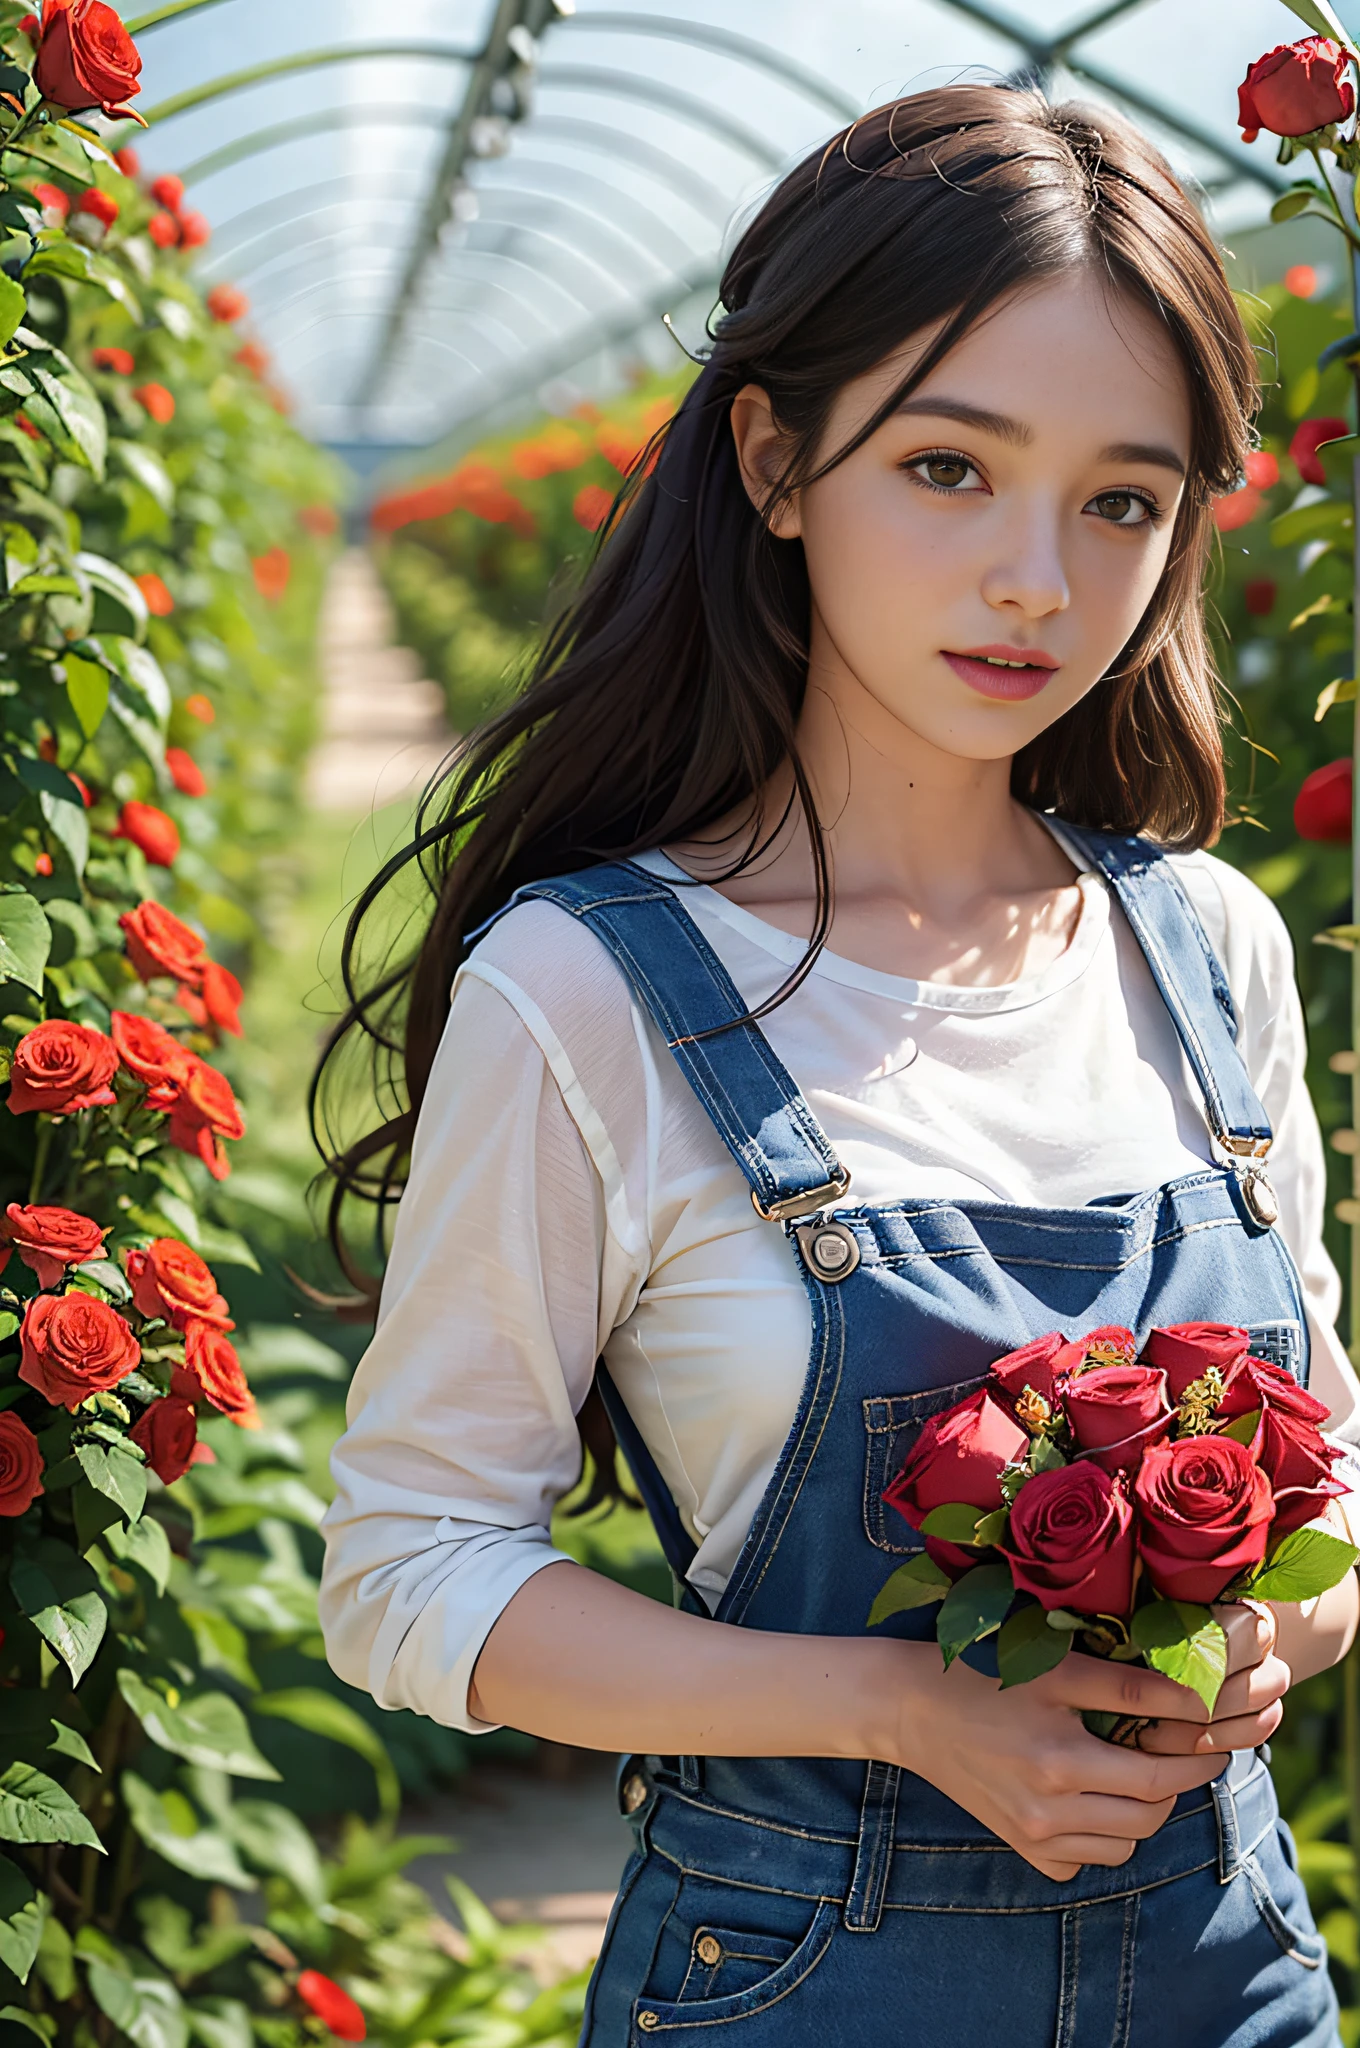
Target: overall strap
{"x": 1190, "y": 978}
{"x": 753, "y": 1100}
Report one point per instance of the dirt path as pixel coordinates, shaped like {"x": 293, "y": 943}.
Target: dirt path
{"x": 383, "y": 729}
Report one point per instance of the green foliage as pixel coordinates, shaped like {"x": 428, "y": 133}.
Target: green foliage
{"x": 475, "y": 561}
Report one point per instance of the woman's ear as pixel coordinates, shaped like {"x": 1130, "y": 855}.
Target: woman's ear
{"x": 762, "y": 451}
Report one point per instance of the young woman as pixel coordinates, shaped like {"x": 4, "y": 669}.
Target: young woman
{"x": 841, "y": 996}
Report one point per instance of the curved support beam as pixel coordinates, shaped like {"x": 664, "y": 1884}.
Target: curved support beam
{"x": 612, "y": 230}
{"x": 268, "y": 215}
{"x": 612, "y": 142}
{"x": 651, "y": 92}
{"x": 300, "y": 60}
{"x": 721, "y": 40}
{"x": 142, "y": 24}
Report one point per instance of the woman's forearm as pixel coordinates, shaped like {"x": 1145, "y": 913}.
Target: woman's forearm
{"x": 1318, "y": 1634}
{"x": 578, "y": 1659}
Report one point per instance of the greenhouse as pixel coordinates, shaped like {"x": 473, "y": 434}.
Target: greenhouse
{"x": 475, "y": 525}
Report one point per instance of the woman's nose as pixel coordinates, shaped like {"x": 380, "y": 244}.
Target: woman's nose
{"x": 1027, "y": 572}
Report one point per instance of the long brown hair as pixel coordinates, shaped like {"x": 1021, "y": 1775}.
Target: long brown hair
{"x": 667, "y": 693}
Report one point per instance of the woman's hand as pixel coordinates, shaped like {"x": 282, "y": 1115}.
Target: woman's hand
{"x": 1248, "y": 1710}
{"x": 1022, "y": 1763}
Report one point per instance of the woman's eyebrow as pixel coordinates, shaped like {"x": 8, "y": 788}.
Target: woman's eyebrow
{"x": 1019, "y": 435}
{"x": 1143, "y": 451}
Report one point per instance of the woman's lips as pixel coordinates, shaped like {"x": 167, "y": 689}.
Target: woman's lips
{"x": 990, "y": 681}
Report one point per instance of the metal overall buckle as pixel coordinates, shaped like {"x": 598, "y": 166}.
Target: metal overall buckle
{"x": 829, "y": 1249}
{"x": 1257, "y": 1190}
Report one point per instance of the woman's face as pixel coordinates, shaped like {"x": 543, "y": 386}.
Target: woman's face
{"x": 1017, "y": 509}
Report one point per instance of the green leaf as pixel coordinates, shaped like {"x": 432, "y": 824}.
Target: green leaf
{"x": 1319, "y": 16}
{"x": 119, "y": 606}
{"x": 168, "y": 1824}
{"x": 117, "y": 1474}
{"x": 1307, "y": 1562}
{"x": 1328, "y": 517}
{"x": 954, "y": 1523}
{"x": 1243, "y": 1428}
{"x": 146, "y": 1545}
{"x": 991, "y": 1528}
{"x": 1045, "y": 1456}
{"x": 58, "y": 1592}
{"x": 34, "y": 1808}
{"x": 917, "y": 1583}
{"x": 322, "y": 1714}
{"x": 209, "y": 1729}
{"x": 975, "y": 1605}
{"x": 84, "y": 429}
{"x": 1341, "y": 690}
{"x": 87, "y": 687}
{"x": 41, "y": 2024}
{"x": 146, "y": 468}
{"x": 22, "y": 1914}
{"x": 273, "y": 1839}
{"x": 221, "y": 2023}
{"x": 56, "y": 1960}
{"x": 69, "y": 827}
{"x": 1290, "y": 203}
{"x": 25, "y": 938}
{"x": 1027, "y": 1647}
{"x": 1185, "y": 1643}
{"x": 68, "y": 1741}
{"x": 13, "y": 306}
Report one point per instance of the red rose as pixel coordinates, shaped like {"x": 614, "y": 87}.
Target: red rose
{"x": 52, "y": 199}
{"x": 195, "y": 231}
{"x": 227, "y": 304}
{"x": 1298, "y": 1463}
{"x": 1323, "y": 806}
{"x": 221, "y": 998}
{"x": 1185, "y": 1352}
{"x": 1111, "y": 1343}
{"x": 272, "y": 572}
{"x": 21, "y": 1466}
{"x": 128, "y": 162}
{"x": 170, "y": 1280}
{"x": 959, "y": 1456}
{"x": 211, "y": 1358}
{"x": 185, "y": 772}
{"x": 331, "y": 2005}
{"x": 1309, "y": 435}
{"x": 163, "y": 229}
{"x": 1295, "y": 89}
{"x": 31, "y": 27}
{"x": 160, "y": 404}
{"x": 1204, "y": 1512}
{"x": 1070, "y": 1540}
{"x": 101, "y": 206}
{"x": 168, "y": 1433}
{"x": 158, "y": 942}
{"x": 152, "y": 831}
{"x": 156, "y": 591}
{"x": 150, "y": 1052}
{"x": 49, "y": 1240}
{"x": 75, "y": 1346}
{"x": 120, "y": 360}
{"x": 168, "y": 191}
{"x": 1030, "y": 1366}
{"x": 1117, "y": 1412}
{"x": 203, "y": 1113}
{"x": 62, "y": 1067}
{"x": 86, "y": 58}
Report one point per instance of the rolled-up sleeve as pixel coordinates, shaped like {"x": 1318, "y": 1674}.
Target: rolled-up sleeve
{"x": 461, "y": 1430}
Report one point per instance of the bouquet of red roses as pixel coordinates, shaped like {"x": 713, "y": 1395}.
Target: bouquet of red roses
{"x": 1086, "y": 1494}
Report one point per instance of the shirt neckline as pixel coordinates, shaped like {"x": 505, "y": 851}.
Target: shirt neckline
{"x": 1093, "y": 921}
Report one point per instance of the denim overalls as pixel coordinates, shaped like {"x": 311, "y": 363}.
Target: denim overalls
{"x": 801, "y": 1903}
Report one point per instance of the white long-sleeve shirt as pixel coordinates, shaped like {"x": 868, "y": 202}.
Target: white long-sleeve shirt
{"x": 569, "y": 1197}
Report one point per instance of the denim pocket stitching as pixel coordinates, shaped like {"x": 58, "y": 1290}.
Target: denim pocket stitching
{"x": 743, "y": 2005}
{"x": 900, "y": 1412}
{"x": 1286, "y": 1936}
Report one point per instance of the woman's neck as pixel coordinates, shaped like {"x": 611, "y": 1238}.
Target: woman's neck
{"x": 938, "y": 873}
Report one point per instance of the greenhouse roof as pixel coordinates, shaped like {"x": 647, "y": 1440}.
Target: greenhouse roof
{"x": 450, "y": 209}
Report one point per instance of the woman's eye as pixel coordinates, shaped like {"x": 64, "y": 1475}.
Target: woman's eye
{"x": 943, "y": 472}
{"x": 1123, "y": 508}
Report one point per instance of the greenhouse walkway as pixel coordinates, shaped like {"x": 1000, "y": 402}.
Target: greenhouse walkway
{"x": 383, "y": 727}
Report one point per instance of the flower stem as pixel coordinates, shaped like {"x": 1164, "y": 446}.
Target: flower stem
{"x": 43, "y": 1147}
{"x": 1335, "y": 215}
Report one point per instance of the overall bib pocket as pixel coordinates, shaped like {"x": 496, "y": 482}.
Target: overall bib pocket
{"x": 892, "y": 1423}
